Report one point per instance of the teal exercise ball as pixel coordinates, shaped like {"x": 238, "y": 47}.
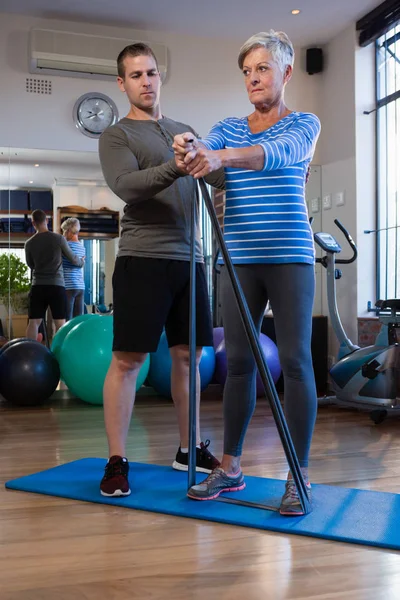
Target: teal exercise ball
{"x": 85, "y": 357}
{"x": 62, "y": 333}
{"x": 161, "y": 364}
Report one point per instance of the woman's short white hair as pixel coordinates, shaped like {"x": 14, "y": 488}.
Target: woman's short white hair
{"x": 71, "y": 225}
{"x": 276, "y": 42}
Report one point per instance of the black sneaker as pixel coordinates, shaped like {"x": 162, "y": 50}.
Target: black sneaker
{"x": 115, "y": 480}
{"x": 205, "y": 461}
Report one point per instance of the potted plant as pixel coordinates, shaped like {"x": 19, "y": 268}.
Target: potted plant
{"x": 14, "y": 288}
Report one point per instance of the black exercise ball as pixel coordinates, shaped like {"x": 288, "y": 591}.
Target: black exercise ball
{"x": 12, "y": 342}
{"x": 29, "y": 373}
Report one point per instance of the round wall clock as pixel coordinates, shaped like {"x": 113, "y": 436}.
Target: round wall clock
{"x": 93, "y": 113}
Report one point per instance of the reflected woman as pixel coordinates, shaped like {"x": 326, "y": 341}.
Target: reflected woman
{"x": 73, "y": 276}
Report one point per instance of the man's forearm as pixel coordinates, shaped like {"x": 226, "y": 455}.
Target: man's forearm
{"x": 136, "y": 186}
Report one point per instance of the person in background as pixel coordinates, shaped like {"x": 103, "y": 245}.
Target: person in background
{"x": 73, "y": 276}
{"x": 44, "y": 252}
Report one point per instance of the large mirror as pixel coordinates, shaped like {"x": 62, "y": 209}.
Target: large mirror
{"x": 63, "y": 184}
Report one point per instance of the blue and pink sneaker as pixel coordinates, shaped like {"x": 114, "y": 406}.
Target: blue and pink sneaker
{"x": 217, "y": 483}
{"x": 290, "y": 503}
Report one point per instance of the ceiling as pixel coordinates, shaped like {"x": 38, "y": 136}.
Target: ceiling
{"x": 318, "y": 22}
{"x": 17, "y": 167}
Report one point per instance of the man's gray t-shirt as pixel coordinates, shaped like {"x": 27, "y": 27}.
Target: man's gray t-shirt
{"x": 43, "y": 253}
{"x": 138, "y": 164}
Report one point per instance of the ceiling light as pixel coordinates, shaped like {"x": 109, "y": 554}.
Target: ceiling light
{"x": 37, "y": 165}
{"x": 296, "y": 11}
{"x": 31, "y": 182}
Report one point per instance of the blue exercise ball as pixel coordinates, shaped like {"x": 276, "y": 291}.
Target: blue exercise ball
{"x": 161, "y": 363}
{"x": 271, "y": 356}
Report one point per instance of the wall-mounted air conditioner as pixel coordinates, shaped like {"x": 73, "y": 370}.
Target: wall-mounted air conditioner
{"x": 69, "y": 54}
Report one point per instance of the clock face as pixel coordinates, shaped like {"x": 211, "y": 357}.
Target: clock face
{"x": 93, "y": 113}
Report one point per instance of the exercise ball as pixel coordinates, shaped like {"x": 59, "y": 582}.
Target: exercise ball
{"x": 14, "y": 341}
{"x": 271, "y": 356}
{"x": 85, "y": 357}
{"x": 62, "y": 333}
{"x": 161, "y": 364}
{"x": 29, "y": 373}
{"x": 218, "y": 336}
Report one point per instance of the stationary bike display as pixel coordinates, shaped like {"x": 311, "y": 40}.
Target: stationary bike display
{"x": 366, "y": 378}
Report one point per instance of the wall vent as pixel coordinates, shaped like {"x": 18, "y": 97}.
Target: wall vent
{"x": 38, "y": 86}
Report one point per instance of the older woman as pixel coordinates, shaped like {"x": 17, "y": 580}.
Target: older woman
{"x": 266, "y": 158}
{"x": 73, "y": 276}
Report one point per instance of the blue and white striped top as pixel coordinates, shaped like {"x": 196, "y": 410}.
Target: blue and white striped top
{"x": 266, "y": 218}
{"x": 73, "y": 276}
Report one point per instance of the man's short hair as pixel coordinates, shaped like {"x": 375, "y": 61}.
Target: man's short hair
{"x": 133, "y": 50}
{"x": 39, "y": 216}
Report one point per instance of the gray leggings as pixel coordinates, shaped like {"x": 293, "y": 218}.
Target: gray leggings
{"x": 290, "y": 290}
{"x": 75, "y": 305}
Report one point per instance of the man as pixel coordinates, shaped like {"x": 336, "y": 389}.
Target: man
{"x": 44, "y": 253}
{"x": 151, "y": 276}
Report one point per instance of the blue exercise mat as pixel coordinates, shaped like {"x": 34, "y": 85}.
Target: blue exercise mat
{"x": 341, "y": 514}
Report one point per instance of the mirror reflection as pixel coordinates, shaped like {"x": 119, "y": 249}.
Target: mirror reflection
{"x": 67, "y": 194}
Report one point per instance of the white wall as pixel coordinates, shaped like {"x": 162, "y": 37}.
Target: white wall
{"x": 203, "y": 85}
{"x": 337, "y": 141}
{"x": 337, "y": 151}
{"x": 347, "y": 146}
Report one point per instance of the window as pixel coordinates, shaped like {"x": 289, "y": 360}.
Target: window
{"x": 206, "y": 235}
{"x": 388, "y": 163}
{"x": 94, "y": 272}
{"x": 18, "y": 251}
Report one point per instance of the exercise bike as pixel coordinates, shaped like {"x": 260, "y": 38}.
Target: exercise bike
{"x": 365, "y": 378}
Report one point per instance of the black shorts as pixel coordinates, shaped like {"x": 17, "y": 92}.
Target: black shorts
{"x": 43, "y": 296}
{"x": 150, "y": 294}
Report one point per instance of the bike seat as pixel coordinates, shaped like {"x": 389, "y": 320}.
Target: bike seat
{"x": 393, "y": 304}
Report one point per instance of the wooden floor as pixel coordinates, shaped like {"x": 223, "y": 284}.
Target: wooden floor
{"x": 55, "y": 549}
